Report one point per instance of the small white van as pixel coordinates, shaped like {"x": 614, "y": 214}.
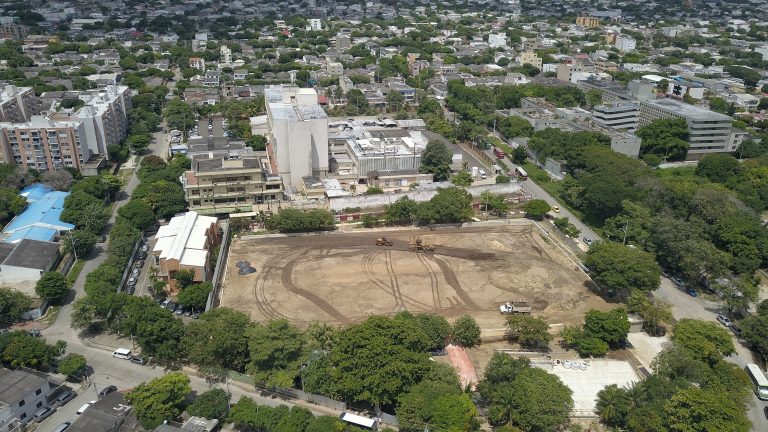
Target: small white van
{"x": 122, "y": 353}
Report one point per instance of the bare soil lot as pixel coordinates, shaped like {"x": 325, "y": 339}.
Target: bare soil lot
{"x": 343, "y": 278}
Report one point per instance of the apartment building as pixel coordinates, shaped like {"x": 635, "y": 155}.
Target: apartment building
{"x": 13, "y": 31}
{"x": 44, "y": 144}
{"x": 223, "y": 181}
{"x": 531, "y": 58}
{"x": 22, "y": 393}
{"x": 566, "y": 71}
{"x": 298, "y": 129}
{"x": 709, "y": 132}
{"x": 18, "y": 104}
{"x": 625, "y": 43}
{"x": 186, "y": 243}
{"x": 618, "y": 116}
{"x": 587, "y": 21}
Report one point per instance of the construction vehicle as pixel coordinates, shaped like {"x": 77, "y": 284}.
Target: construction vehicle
{"x": 416, "y": 245}
{"x": 515, "y": 308}
{"x": 382, "y": 241}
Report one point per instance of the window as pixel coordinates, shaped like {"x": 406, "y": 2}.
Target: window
{"x": 23, "y": 416}
{"x": 22, "y": 402}
{"x": 38, "y": 391}
{"x": 39, "y": 404}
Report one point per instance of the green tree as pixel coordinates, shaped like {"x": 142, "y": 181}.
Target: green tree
{"x": 72, "y": 365}
{"x": 401, "y": 212}
{"x": 80, "y": 240}
{"x": 611, "y": 327}
{"x": 218, "y": 339}
{"x": 462, "y": 179}
{"x": 195, "y": 295}
{"x": 519, "y": 155}
{"x": 18, "y": 349}
{"x": 160, "y": 399}
{"x": 12, "y": 305}
{"x": 613, "y": 405}
{"x": 449, "y": 205}
{"x": 52, "y": 286}
{"x": 436, "y": 406}
{"x": 705, "y": 340}
{"x": 257, "y": 142}
{"x": 11, "y": 204}
{"x": 138, "y": 142}
{"x": 374, "y": 190}
{"x": 357, "y": 104}
{"x": 718, "y": 168}
{"x": 536, "y": 209}
{"x": 85, "y": 211}
{"x": 666, "y": 138}
{"x": 699, "y": 410}
{"x": 379, "y": 359}
{"x": 139, "y": 213}
{"x": 212, "y": 404}
{"x": 755, "y": 331}
{"x": 155, "y": 329}
{"x": 184, "y": 278}
{"x": 436, "y": 159}
{"x": 437, "y": 329}
{"x": 466, "y": 332}
{"x": 529, "y": 331}
{"x": 653, "y": 312}
{"x": 534, "y": 401}
{"x": 395, "y": 101}
{"x": 276, "y": 353}
{"x": 619, "y": 269}
{"x": 292, "y": 220}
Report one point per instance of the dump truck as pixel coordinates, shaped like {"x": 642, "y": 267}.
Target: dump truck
{"x": 382, "y": 241}
{"x": 417, "y": 245}
{"x": 515, "y": 308}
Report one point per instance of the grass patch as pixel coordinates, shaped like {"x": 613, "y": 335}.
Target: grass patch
{"x": 678, "y": 172}
{"x": 51, "y": 314}
{"x": 74, "y": 272}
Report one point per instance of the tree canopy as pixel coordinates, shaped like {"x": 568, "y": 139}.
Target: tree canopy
{"x": 160, "y": 399}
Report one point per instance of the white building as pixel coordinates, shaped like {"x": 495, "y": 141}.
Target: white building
{"x": 314, "y": 24}
{"x": 625, "y": 43}
{"x": 22, "y": 393}
{"x": 709, "y": 132}
{"x": 620, "y": 116}
{"x": 226, "y": 56}
{"x": 298, "y": 128}
{"x": 497, "y": 40}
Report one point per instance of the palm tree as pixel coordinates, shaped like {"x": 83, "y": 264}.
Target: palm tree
{"x": 613, "y": 404}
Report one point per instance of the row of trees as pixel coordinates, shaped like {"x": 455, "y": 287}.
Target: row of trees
{"x": 449, "y": 205}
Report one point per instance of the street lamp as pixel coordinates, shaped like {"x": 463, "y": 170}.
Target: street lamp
{"x": 72, "y": 239}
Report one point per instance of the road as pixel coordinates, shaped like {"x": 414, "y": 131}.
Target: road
{"x": 685, "y": 306}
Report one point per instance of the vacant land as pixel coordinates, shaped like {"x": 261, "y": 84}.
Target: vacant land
{"x": 343, "y": 278}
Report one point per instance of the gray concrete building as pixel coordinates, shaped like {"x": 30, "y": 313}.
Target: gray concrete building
{"x": 618, "y": 116}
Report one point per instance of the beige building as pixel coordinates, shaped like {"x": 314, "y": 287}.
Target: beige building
{"x": 531, "y": 58}
{"x": 186, "y": 243}
{"x": 44, "y": 144}
{"x": 222, "y": 182}
{"x": 587, "y": 21}
{"x": 18, "y": 104}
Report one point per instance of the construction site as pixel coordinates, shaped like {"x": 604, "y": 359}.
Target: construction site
{"x": 342, "y": 278}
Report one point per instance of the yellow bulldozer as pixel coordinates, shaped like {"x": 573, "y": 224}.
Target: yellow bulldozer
{"x": 418, "y": 245}
{"x": 382, "y": 241}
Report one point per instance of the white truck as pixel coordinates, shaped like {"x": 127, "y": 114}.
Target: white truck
{"x": 515, "y": 308}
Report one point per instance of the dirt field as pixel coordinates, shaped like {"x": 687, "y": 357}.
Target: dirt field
{"x": 343, "y": 278}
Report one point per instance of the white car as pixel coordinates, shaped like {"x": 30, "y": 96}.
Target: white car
{"x": 84, "y": 407}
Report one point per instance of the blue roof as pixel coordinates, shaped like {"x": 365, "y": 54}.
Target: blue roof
{"x": 43, "y": 213}
{"x": 32, "y": 233}
{"x": 35, "y": 192}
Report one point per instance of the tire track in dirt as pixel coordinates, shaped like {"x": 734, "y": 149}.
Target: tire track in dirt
{"x": 432, "y": 281}
{"x": 453, "y": 281}
{"x": 367, "y": 266}
{"x": 393, "y": 279}
{"x": 287, "y": 281}
{"x": 262, "y": 304}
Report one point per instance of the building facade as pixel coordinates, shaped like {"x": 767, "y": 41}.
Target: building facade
{"x": 298, "y": 128}
{"x": 220, "y": 182}
{"x": 18, "y": 104}
{"x": 709, "y": 132}
{"x": 531, "y": 58}
{"x": 619, "y": 116}
{"x": 44, "y": 144}
{"x": 22, "y": 393}
{"x": 587, "y": 21}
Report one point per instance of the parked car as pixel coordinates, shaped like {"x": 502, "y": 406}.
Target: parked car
{"x": 165, "y": 303}
{"x": 677, "y": 281}
{"x": 130, "y": 289}
{"x": 34, "y": 333}
{"x": 692, "y": 292}
{"x": 142, "y": 255}
{"x": 84, "y": 407}
{"x": 64, "y": 397}
{"x": 735, "y": 329}
{"x": 102, "y": 238}
{"x": 724, "y": 320}
{"x": 556, "y": 209}
{"x": 171, "y": 306}
{"x": 43, "y": 413}
{"x": 144, "y": 247}
{"x": 107, "y": 390}
{"x": 139, "y": 264}
{"x": 135, "y": 272}
{"x": 132, "y": 280}
{"x": 196, "y": 315}
{"x": 62, "y": 427}
{"x": 188, "y": 312}
{"x": 179, "y": 310}
{"x": 138, "y": 360}
{"x": 588, "y": 241}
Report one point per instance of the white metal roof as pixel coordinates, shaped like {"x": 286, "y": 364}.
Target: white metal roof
{"x": 184, "y": 238}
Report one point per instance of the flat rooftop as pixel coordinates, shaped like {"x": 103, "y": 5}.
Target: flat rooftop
{"x": 688, "y": 111}
{"x": 599, "y": 373}
{"x": 16, "y": 384}
{"x": 33, "y": 254}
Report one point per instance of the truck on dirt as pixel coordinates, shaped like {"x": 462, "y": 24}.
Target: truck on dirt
{"x": 515, "y": 308}
{"x": 382, "y": 241}
{"x": 417, "y": 245}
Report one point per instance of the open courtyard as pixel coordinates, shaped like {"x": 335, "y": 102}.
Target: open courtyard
{"x": 342, "y": 278}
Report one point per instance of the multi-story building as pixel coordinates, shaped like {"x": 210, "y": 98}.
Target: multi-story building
{"x": 587, "y": 21}
{"x": 22, "y": 393}
{"x": 619, "y": 116}
{"x": 186, "y": 243}
{"x": 343, "y": 41}
{"x": 314, "y": 24}
{"x": 709, "y": 132}
{"x": 18, "y": 104}
{"x": 13, "y": 31}
{"x": 298, "y": 129}
{"x": 226, "y": 56}
{"x": 531, "y": 58}
{"x": 625, "y": 43}
{"x": 197, "y": 63}
{"x": 497, "y": 40}
{"x": 44, "y": 144}
{"x": 225, "y": 181}
{"x": 565, "y": 71}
